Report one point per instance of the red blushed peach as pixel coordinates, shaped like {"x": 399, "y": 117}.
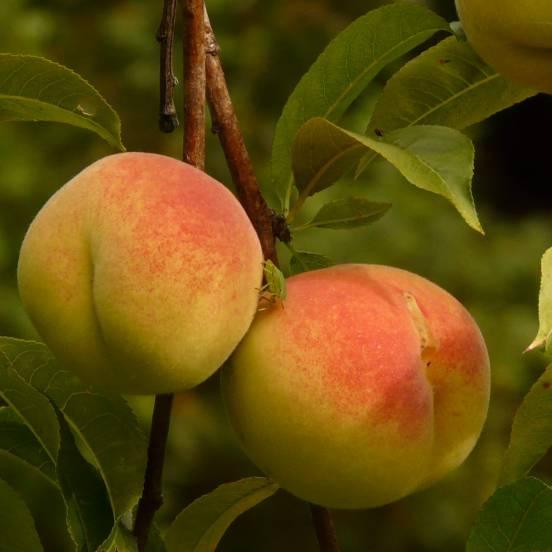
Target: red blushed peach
{"x": 141, "y": 274}
{"x": 364, "y": 385}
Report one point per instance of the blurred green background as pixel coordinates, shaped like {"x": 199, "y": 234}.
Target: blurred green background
{"x": 266, "y": 46}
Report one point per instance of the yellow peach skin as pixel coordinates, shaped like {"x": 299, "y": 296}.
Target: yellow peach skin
{"x": 141, "y": 274}
{"x": 513, "y": 36}
{"x": 366, "y": 384}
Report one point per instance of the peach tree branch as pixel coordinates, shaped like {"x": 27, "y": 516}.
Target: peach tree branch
{"x": 168, "y": 120}
{"x": 226, "y": 126}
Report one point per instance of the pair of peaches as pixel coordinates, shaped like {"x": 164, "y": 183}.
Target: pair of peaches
{"x": 365, "y": 383}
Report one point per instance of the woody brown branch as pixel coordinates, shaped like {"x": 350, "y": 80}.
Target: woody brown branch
{"x": 225, "y": 123}
{"x": 194, "y": 88}
{"x": 168, "y": 120}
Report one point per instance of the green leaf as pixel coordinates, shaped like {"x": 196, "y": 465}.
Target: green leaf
{"x": 36, "y": 89}
{"x": 447, "y": 85}
{"x": 436, "y": 159}
{"x": 200, "y": 526}
{"x": 351, "y": 212}
{"x": 517, "y": 518}
{"x": 17, "y": 440}
{"x": 531, "y": 431}
{"x": 343, "y": 71}
{"x": 304, "y": 261}
{"x": 89, "y": 516}
{"x": 545, "y": 305}
{"x": 17, "y": 528}
{"x": 33, "y": 408}
{"x": 103, "y": 423}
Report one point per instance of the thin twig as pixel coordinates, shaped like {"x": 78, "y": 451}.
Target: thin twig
{"x": 152, "y": 496}
{"x": 268, "y": 225}
{"x": 168, "y": 120}
{"x": 194, "y": 72}
{"x": 325, "y": 530}
{"x": 226, "y": 126}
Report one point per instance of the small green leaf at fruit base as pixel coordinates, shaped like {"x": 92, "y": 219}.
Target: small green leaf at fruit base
{"x": 17, "y": 528}
{"x": 342, "y": 214}
{"x": 18, "y": 441}
{"x": 341, "y": 73}
{"x": 517, "y": 518}
{"x": 103, "y": 423}
{"x": 275, "y": 280}
{"x": 433, "y": 158}
{"x": 304, "y": 261}
{"x": 200, "y": 526}
{"x": 34, "y": 409}
{"x": 37, "y": 89}
{"x": 545, "y": 306}
{"x": 531, "y": 431}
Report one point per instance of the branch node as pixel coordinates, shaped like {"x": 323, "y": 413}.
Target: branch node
{"x": 280, "y": 228}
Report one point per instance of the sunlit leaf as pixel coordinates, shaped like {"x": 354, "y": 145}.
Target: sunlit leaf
{"x": 342, "y": 72}
{"x": 36, "y": 89}
{"x": 545, "y": 305}
{"x": 200, "y": 526}
{"x": 517, "y": 518}
{"x": 436, "y": 159}
{"x": 104, "y": 423}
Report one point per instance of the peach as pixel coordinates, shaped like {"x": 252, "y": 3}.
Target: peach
{"x": 365, "y": 384}
{"x": 141, "y": 274}
{"x": 514, "y": 36}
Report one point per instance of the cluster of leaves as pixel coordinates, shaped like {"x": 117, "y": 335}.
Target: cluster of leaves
{"x": 88, "y": 445}
{"x": 519, "y": 515}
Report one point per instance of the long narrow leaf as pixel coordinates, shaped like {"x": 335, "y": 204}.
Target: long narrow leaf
{"x": 343, "y": 71}
{"x": 202, "y": 524}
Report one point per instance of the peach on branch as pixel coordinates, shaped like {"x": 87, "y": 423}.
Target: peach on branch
{"x": 513, "y": 36}
{"x": 366, "y": 384}
{"x": 141, "y": 274}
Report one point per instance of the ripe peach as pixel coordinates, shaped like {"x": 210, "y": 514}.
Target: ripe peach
{"x": 366, "y": 384}
{"x": 514, "y": 36}
{"x": 141, "y": 274}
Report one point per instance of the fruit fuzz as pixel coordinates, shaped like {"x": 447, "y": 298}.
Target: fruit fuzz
{"x": 141, "y": 274}
{"x": 366, "y": 384}
{"x": 513, "y": 36}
